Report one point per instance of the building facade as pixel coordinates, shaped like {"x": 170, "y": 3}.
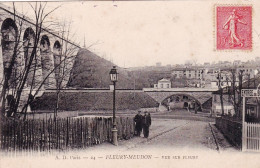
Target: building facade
{"x": 163, "y": 84}
{"x": 189, "y": 73}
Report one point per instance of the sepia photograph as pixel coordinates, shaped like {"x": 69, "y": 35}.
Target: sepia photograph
{"x": 172, "y": 83}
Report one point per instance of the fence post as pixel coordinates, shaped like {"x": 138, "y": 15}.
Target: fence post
{"x": 244, "y": 125}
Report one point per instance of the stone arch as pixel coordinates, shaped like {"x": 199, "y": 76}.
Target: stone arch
{"x": 183, "y": 100}
{"x": 9, "y": 32}
{"x": 186, "y": 104}
{"x": 28, "y": 46}
{"x": 28, "y": 43}
{"x": 57, "y": 56}
{"x": 46, "y": 61}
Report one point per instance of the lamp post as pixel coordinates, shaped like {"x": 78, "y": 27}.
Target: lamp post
{"x": 114, "y": 77}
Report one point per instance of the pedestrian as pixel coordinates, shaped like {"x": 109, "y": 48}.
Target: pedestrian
{"x": 138, "y": 123}
{"x": 146, "y": 124}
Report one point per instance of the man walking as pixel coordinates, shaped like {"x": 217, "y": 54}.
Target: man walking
{"x": 146, "y": 124}
{"x": 138, "y": 123}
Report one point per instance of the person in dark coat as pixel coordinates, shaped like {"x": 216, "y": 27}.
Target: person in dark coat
{"x": 146, "y": 124}
{"x": 138, "y": 123}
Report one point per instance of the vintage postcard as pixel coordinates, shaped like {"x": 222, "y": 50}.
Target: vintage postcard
{"x": 130, "y": 84}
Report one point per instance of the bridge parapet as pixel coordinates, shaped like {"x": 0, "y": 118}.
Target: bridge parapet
{"x": 179, "y": 89}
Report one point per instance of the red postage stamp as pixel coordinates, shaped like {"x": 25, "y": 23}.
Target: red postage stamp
{"x": 233, "y": 27}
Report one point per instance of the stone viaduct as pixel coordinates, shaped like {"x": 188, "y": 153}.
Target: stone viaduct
{"x": 49, "y": 51}
{"x": 200, "y": 95}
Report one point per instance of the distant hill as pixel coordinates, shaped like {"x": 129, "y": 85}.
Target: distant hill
{"x": 92, "y": 71}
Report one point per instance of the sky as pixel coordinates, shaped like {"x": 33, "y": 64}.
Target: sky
{"x": 142, "y": 33}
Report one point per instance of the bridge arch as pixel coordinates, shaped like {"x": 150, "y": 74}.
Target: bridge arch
{"x": 57, "y": 56}
{"x": 182, "y": 100}
{"x": 9, "y": 32}
{"x": 28, "y": 45}
{"x": 46, "y": 61}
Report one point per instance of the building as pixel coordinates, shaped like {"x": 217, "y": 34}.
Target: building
{"x": 206, "y": 63}
{"x": 222, "y": 79}
{"x": 163, "y": 84}
{"x": 252, "y": 106}
{"x": 236, "y": 62}
{"x": 189, "y": 73}
{"x": 209, "y": 77}
{"x": 252, "y": 110}
{"x": 257, "y": 59}
{"x": 158, "y": 64}
{"x": 249, "y": 70}
{"x": 227, "y": 105}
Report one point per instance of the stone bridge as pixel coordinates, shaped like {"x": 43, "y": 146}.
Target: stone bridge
{"x": 49, "y": 51}
{"x": 200, "y": 95}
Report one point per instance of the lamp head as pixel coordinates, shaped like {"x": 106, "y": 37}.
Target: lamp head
{"x": 113, "y": 74}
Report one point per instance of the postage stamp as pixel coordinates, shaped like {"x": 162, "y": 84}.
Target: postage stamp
{"x": 233, "y": 27}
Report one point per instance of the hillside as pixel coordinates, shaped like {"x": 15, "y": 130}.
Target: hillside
{"x": 91, "y": 71}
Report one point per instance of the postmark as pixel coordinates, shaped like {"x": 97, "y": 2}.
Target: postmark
{"x": 233, "y": 26}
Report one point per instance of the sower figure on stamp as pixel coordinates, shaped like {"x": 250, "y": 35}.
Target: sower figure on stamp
{"x": 146, "y": 124}
{"x": 138, "y": 123}
{"x": 231, "y": 25}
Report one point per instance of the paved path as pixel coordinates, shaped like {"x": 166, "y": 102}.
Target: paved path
{"x": 170, "y": 135}
{"x": 183, "y": 135}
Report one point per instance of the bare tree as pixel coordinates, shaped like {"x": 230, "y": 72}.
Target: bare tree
{"x": 235, "y": 80}
{"x": 63, "y": 60}
{"x": 16, "y": 79}
{"x": 10, "y": 43}
{"x": 220, "y": 88}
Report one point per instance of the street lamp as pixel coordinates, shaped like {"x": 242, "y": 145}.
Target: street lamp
{"x": 114, "y": 77}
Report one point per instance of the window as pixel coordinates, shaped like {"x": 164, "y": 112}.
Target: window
{"x": 168, "y": 85}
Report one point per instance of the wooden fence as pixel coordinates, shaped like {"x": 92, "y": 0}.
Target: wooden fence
{"x": 62, "y": 134}
{"x": 252, "y": 137}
